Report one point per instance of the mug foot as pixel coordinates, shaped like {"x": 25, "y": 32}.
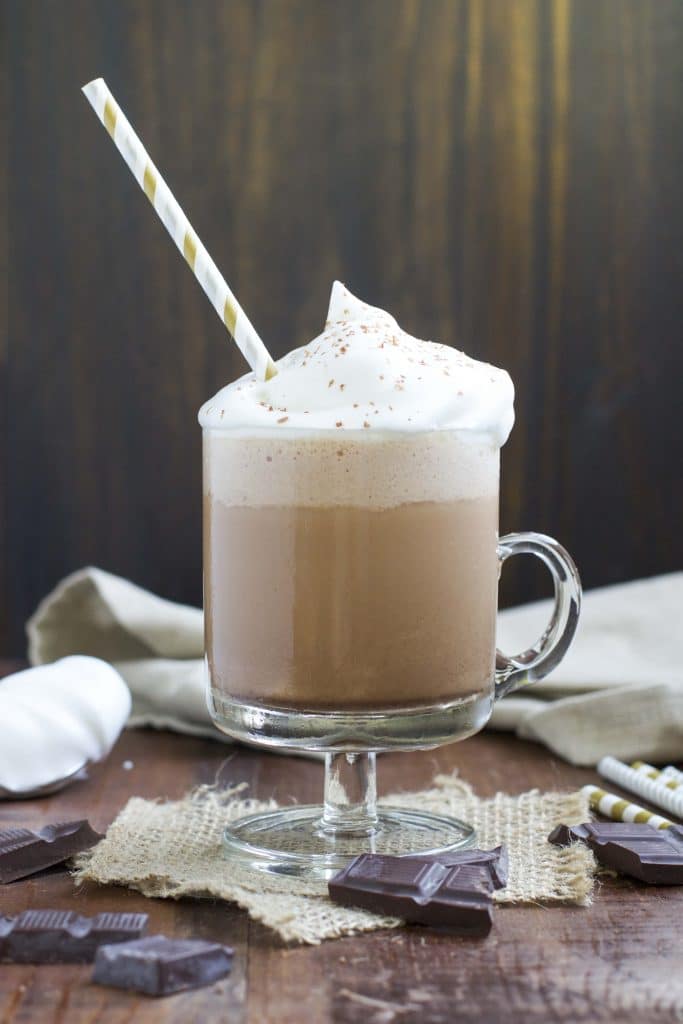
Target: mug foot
{"x": 294, "y": 841}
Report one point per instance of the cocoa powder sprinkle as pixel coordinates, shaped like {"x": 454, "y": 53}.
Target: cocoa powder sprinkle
{"x": 283, "y": 419}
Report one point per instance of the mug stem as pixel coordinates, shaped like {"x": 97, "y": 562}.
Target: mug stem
{"x": 350, "y": 801}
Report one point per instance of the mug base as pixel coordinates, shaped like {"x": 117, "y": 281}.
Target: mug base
{"x": 412, "y": 727}
{"x": 293, "y": 842}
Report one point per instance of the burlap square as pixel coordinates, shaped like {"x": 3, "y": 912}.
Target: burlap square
{"x": 174, "y": 849}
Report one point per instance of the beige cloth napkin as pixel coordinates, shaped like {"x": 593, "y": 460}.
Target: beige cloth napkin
{"x": 174, "y": 849}
{"x": 619, "y": 691}
{"x": 156, "y": 645}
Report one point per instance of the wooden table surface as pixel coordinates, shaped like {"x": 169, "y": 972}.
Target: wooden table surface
{"x": 618, "y": 960}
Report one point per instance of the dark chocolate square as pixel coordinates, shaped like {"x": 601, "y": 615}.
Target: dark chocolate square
{"x": 62, "y": 936}
{"x": 23, "y": 852}
{"x": 157, "y": 966}
{"x": 652, "y": 855}
{"x": 418, "y": 890}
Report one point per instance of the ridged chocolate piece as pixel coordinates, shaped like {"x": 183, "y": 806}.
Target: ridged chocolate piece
{"x": 23, "y": 852}
{"x": 653, "y": 855}
{"x": 158, "y": 966}
{"x": 420, "y": 890}
{"x": 495, "y": 861}
{"x": 563, "y": 835}
{"x": 63, "y": 937}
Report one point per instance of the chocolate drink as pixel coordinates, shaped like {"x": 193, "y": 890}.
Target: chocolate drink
{"x": 350, "y": 524}
{"x": 334, "y": 593}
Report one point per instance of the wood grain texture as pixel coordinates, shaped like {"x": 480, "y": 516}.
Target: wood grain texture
{"x": 503, "y": 176}
{"x": 617, "y": 960}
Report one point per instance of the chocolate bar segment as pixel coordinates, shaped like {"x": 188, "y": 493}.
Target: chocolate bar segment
{"x": 495, "y": 861}
{"x": 158, "y": 966}
{"x": 419, "y": 890}
{"x": 63, "y": 937}
{"x": 23, "y": 852}
{"x": 652, "y": 855}
{"x": 563, "y": 835}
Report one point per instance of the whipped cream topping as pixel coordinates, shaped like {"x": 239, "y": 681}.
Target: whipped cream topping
{"x": 364, "y": 373}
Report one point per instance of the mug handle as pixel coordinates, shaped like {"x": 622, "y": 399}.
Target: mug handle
{"x": 551, "y": 647}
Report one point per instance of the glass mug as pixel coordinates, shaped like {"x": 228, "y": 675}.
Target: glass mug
{"x": 350, "y": 596}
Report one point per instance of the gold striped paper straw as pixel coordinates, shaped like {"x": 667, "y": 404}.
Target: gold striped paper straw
{"x": 666, "y": 777}
{"x": 179, "y": 228}
{"x": 614, "y": 807}
{"x": 635, "y": 782}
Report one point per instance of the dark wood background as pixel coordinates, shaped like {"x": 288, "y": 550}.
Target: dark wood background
{"x": 501, "y": 174}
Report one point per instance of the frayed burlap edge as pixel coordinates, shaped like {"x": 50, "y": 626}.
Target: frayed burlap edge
{"x": 174, "y": 849}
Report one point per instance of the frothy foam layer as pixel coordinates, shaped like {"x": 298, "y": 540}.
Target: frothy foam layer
{"x": 378, "y": 472}
{"x": 363, "y": 373}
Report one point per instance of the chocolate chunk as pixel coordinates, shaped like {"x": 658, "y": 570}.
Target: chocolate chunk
{"x": 495, "y": 861}
{"x": 159, "y": 966}
{"x": 563, "y": 835}
{"x": 653, "y": 855}
{"x": 23, "y": 852}
{"x": 418, "y": 889}
{"x": 62, "y": 937}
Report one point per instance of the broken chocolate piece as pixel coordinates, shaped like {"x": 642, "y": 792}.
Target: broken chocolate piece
{"x": 495, "y": 861}
{"x": 653, "y": 855}
{"x": 23, "y": 852}
{"x": 159, "y": 966}
{"x": 420, "y": 890}
{"x": 563, "y": 835}
{"x": 63, "y": 937}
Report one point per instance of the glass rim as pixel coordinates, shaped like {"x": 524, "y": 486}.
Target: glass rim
{"x": 339, "y": 435}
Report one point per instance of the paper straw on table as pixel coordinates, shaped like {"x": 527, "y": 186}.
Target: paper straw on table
{"x": 661, "y": 778}
{"x": 179, "y": 228}
{"x": 633, "y": 781}
{"x": 673, "y": 773}
{"x": 612, "y": 806}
